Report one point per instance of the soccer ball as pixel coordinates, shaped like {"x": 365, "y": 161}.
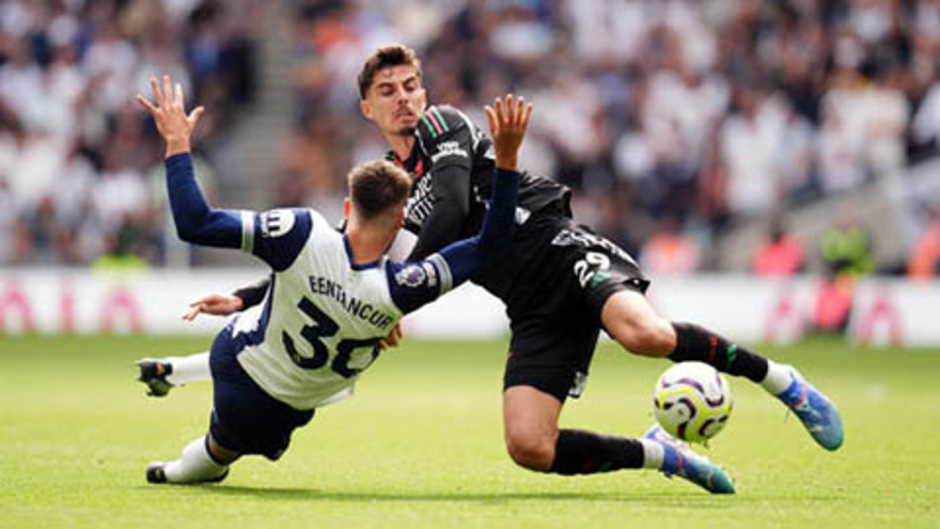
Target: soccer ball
{"x": 692, "y": 401}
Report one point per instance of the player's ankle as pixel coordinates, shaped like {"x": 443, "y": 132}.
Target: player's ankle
{"x": 779, "y": 378}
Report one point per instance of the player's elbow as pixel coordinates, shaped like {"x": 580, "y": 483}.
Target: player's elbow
{"x": 197, "y": 225}
{"x": 187, "y": 232}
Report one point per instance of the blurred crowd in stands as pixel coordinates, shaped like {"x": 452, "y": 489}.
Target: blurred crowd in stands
{"x": 672, "y": 119}
{"x": 80, "y": 180}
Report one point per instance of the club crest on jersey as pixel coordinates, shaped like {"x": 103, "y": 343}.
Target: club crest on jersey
{"x": 412, "y": 276}
{"x": 276, "y": 223}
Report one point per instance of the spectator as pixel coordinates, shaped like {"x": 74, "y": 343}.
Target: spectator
{"x": 924, "y": 260}
{"x": 71, "y": 152}
{"x": 781, "y": 254}
{"x": 668, "y": 251}
{"x": 847, "y": 249}
{"x": 709, "y": 112}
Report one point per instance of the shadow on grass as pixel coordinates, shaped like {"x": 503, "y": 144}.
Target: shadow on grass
{"x": 678, "y": 499}
{"x": 426, "y": 496}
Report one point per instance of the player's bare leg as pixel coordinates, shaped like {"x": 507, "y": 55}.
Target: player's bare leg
{"x": 530, "y": 420}
{"x": 633, "y": 323}
{"x": 630, "y": 319}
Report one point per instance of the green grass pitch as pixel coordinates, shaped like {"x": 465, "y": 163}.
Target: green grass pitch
{"x": 420, "y": 446}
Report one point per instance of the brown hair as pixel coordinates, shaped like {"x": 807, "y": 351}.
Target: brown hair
{"x": 377, "y": 186}
{"x": 386, "y": 57}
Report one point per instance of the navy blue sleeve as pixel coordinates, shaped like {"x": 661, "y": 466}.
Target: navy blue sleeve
{"x": 195, "y": 221}
{"x": 415, "y": 284}
{"x": 466, "y": 258}
{"x": 275, "y": 236}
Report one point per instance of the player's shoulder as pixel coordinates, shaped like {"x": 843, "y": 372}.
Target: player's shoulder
{"x": 279, "y": 235}
{"x": 280, "y": 221}
{"x": 316, "y": 217}
{"x": 295, "y": 224}
{"x": 323, "y": 238}
{"x": 441, "y": 121}
{"x": 321, "y": 228}
{"x": 445, "y": 132}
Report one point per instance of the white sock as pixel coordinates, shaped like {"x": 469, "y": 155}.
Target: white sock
{"x": 194, "y": 466}
{"x": 192, "y": 368}
{"x": 653, "y": 454}
{"x": 778, "y": 378}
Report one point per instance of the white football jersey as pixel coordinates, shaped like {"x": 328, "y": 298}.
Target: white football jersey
{"x": 323, "y": 316}
{"x": 320, "y": 324}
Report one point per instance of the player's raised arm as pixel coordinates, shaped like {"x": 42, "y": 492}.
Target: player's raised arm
{"x": 274, "y": 236}
{"x": 195, "y": 221}
{"x": 508, "y": 125}
{"x": 466, "y": 258}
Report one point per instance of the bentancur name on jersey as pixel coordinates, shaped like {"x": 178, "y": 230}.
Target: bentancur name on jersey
{"x": 326, "y": 287}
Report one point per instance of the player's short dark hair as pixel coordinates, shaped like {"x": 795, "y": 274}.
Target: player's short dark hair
{"x": 386, "y": 57}
{"x": 377, "y": 186}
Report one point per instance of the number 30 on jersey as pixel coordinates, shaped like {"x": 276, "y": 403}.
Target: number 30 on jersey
{"x": 325, "y": 327}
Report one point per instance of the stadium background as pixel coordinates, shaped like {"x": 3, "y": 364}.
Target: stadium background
{"x": 769, "y": 140}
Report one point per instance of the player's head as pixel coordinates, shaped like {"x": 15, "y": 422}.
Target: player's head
{"x": 378, "y": 191}
{"x": 391, "y": 92}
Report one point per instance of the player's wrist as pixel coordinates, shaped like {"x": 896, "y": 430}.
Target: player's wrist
{"x": 507, "y": 163}
{"x": 177, "y": 146}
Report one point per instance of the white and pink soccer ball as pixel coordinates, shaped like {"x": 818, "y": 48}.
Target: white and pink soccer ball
{"x": 692, "y": 401}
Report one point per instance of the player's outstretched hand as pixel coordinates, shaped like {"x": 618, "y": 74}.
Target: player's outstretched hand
{"x": 169, "y": 113}
{"x": 508, "y": 122}
{"x": 215, "y": 304}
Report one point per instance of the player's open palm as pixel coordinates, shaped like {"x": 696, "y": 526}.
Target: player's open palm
{"x": 508, "y": 123}
{"x": 214, "y": 304}
{"x": 169, "y": 112}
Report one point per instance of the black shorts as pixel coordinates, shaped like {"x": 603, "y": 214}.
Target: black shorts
{"x": 555, "y": 284}
{"x": 245, "y": 419}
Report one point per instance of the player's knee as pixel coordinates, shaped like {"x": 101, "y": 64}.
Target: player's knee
{"x": 633, "y": 323}
{"x": 220, "y": 455}
{"x": 651, "y": 336}
{"x": 530, "y": 450}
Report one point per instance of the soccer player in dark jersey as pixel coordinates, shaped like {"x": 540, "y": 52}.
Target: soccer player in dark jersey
{"x": 561, "y": 283}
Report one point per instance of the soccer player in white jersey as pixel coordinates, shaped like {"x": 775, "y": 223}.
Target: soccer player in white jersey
{"x": 333, "y": 297}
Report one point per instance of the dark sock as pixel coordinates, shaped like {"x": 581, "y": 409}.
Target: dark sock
{"x": 581, "y": 452}
{"x": 693, "y": 343}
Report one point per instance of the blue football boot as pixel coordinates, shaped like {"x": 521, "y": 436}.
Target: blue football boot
{"x": 817, "y": 413}
{"x": 680, "y": 460}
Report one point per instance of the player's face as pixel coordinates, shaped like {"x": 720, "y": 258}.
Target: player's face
{"x": 396, "y": 100}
